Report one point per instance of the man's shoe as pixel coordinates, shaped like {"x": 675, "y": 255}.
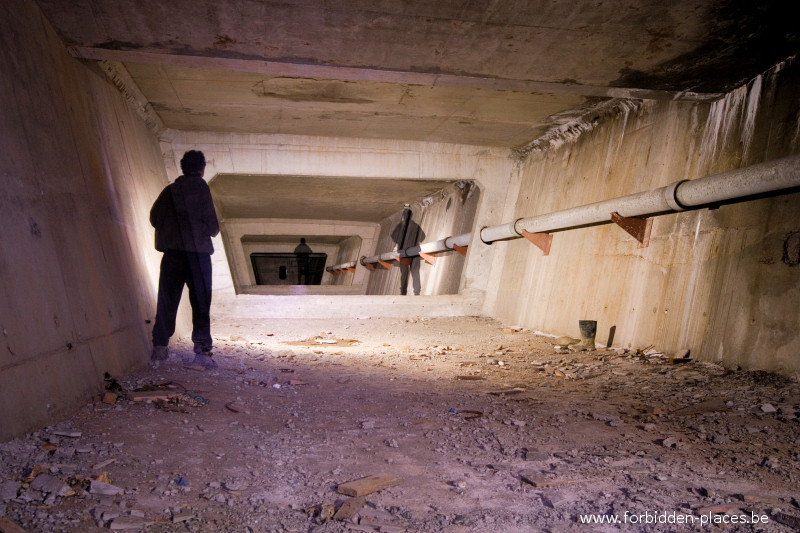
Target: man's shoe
{"x": 204, "y": 359}
{"x": 160, "y": 353}
{"x": 199, "y": 348}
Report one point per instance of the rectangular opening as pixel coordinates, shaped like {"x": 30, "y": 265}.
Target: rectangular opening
{"x": 288, "y": 268}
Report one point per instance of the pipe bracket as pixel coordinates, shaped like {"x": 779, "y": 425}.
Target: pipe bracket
{"x": 460, "y": 249}
{"x": 638, "y": 228}
{"x": 541, "y": 240}
{"x": 429, "y": 258}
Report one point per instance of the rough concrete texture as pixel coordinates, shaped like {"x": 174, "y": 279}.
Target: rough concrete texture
{"x": 488, "y": 73}
{"x": 77, "y": 268}
{"x": 722, "y": 282}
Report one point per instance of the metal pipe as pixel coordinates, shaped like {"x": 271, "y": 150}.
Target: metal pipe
{"x": 757, "y": 179}
{"x": 766, "y": 177}
{"x": 741, "y": 183}
{"x": 351, "y": 264}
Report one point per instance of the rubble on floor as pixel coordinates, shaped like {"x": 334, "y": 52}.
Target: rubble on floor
{"x": 452, "y": 424}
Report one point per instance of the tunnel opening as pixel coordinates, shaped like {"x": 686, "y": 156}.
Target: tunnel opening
{"x": 263, "y": 218}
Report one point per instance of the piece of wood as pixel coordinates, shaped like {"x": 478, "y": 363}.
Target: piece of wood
{"x": 540, "y": 482}
{"x": 350, "y": 508}
{"x": 708, "y": 406}
{"x": 152, "y": 395}
{"x": 103, "y": 464}
{"x": 7, "y": 526}
{"x": 369, "y": 484}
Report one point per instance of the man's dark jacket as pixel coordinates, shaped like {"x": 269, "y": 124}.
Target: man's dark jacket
{"x": 184, "y": 217}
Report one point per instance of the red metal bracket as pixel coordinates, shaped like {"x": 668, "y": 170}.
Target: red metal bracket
{"x": 541, "y": 240}
{"x": 351, "y": 269}
{"x": 460, "y": 249}
{"x": 405, "y": 261}
{"x": 370, "y": 266}
{"x": 430, "y": 259}
{"x": 385, "y": 264}
{"x": 639, "y": 228}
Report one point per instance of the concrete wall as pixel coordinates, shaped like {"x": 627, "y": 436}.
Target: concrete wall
{"x": 448, "y": 213}
{"x": 724, "y": 283}
{"x": 349, "y": 250}
{"x": 78, "y": 270}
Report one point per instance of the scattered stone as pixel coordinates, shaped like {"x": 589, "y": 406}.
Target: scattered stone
{"x": 69, "y": 434}
{"x": 50, "y": 485}
{"x": 182, "y": 516}
{"x": 530, "y": 455}
{"x": 9, "y": 490}
{"x": 236, "y": 486}
{"x": 768, "y": 408}
{"x": 104, "y": 489}
{"x": 555, "y": 499}
{"x": 790, "y": 520}
{"x": 670, "y": 442}
{"x": 128, "y": 522}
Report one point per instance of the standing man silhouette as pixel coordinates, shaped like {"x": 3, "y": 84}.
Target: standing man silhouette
{"x": 302, "y": 251}
{"x": 185, "y": 221}
{"x": 408, "y": 234}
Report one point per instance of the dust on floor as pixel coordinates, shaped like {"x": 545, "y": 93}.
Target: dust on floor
{"x": 479, "y": 427}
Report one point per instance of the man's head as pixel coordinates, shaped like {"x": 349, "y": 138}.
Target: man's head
{"x": 193, "y": 163}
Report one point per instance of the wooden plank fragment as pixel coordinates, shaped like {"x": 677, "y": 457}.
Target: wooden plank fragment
{"x": 708, "y": 406}
{"x": 369, "y": 484}
{"x": 350, "y": 508}
{"x": 152, "y": 395}
{"x": 7, "y": 526}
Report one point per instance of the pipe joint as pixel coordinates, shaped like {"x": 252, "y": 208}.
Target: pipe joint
{"x": 671, "y": 196}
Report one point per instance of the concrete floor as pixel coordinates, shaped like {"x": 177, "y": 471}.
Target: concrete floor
{"x": 488, "y": 428}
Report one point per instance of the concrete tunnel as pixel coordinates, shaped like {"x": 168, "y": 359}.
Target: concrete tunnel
{"x": 326, "y": 134}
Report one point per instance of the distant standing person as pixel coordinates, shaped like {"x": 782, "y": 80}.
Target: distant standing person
{"x": 408, "y": 234}
{"x": 302, "y": 251}
{"x": 185, "y": 221}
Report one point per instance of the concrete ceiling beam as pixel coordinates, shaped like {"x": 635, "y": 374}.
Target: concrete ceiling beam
{"x": 300, "y": 70}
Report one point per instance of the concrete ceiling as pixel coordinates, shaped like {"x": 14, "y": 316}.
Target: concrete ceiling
{"x": 489, "y": 72}
{"x": 321, "y": 198}
{"x": 484, "y": 72}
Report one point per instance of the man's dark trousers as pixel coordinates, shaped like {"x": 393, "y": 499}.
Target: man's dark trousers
{"x": 194, "y": 270}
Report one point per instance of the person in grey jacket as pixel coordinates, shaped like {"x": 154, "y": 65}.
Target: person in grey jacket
{"x": 185, "y": 221}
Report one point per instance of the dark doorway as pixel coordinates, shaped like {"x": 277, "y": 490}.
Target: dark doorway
{"x": 287, "y": 268}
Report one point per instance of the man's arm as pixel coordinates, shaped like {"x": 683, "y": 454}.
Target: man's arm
{"x": 158, "y": 210}
{"x": 210, "y": 222}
